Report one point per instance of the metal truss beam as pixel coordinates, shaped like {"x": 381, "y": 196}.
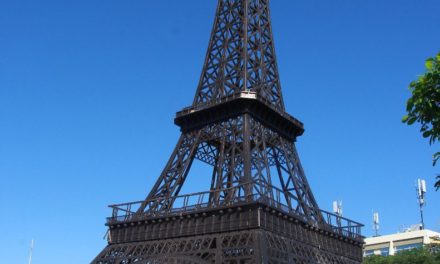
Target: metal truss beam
{"x": 259, "y": 207}
{"x": 241, "y": 54}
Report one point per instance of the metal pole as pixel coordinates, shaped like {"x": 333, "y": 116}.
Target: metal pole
{"x": 247, "y": 157}
{"x": 421, "y": 200}
{"x": 30, "y": 251}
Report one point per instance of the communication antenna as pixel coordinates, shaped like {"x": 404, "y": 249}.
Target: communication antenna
{"x": 376, "y": 223}
{"x": 421, "y": 199}
{"x": 31, "y": 251}
{"x": 337, "y": 208}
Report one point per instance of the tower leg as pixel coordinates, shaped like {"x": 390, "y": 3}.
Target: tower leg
{"x": 173, "y": 176}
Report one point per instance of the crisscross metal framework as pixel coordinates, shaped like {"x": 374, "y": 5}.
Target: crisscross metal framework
{"x": 241, "y": 150}
{"x": 241, "y": 54}
{"x": 260, "y": 207}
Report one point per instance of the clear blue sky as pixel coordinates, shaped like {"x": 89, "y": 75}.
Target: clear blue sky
{"x": 88, "y": 92}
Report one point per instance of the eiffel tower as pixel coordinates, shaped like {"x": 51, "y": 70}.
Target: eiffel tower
{"x": 259, "y": 208}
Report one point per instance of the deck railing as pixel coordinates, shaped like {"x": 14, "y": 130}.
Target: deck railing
{"x": 261, "y": 193}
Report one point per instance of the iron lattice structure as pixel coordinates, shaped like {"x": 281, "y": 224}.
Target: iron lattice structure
{"x": 259, "y": 208}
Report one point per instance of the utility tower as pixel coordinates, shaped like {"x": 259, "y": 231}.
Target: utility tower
{"x": 259, "y": 207}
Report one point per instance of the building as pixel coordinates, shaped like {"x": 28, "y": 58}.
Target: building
{"x": 392, "y": 244}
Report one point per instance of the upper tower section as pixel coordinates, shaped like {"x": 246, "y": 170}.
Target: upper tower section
{"x": 240, "y": 73}
{"x": 241, "y": 55}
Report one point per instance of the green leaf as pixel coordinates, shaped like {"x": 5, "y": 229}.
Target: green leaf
{"x": 405, "y": 118}
{"x": 428, "y": 64}
{"x": 410, "y": 104}
{"x": 437, "y": 184}
{"x": 435, "y": 158}
{"x": 412, "y": 120}
{"x": 427, "y": 134}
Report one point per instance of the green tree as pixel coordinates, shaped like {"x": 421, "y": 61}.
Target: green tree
{"x": 424, "y": 104}
{"x": 377, "y": 260}
{"x": 425, "y": 255}
{"x": 417, "y": 256}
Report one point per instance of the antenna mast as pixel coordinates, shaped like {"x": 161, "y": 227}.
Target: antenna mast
{"x": 376, "y": 223}
{"x": 337, "y": 209}
{"x": 421, "y": 198}
{"x": 31, "y": 251}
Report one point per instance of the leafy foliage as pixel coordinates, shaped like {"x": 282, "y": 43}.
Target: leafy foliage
{"x": 424, "y": 104}
{"x": 437, "y": 184}
{"x": 425, "y": 255}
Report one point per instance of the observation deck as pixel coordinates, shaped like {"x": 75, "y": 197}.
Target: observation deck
{"x": 195, "y": 117}
{"x": 194, "y": 213}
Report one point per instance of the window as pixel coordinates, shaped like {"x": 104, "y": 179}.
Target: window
{"x": 368, "y": 253}
{"x": 380, "y": 251}
{"x": 384, "y": 251}
{"x": 408, "y": 247}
